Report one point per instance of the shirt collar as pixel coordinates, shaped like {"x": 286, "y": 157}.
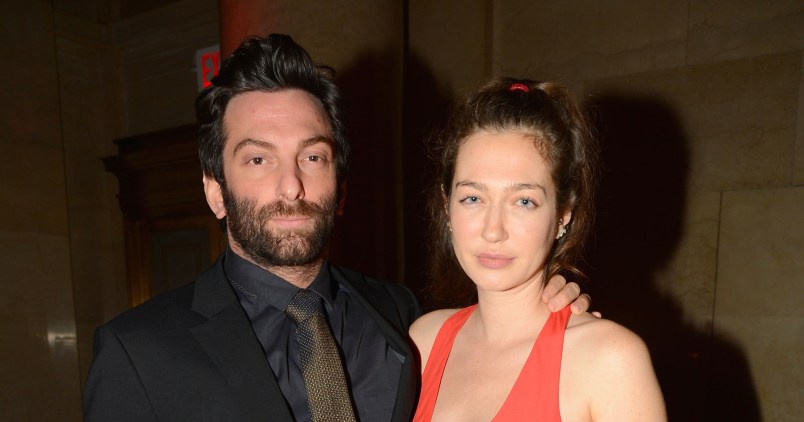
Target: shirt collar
{"x": 260, "y": 284}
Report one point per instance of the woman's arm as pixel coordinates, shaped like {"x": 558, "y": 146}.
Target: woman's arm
{"x": 625, "y": 385}
{"x": 424, "y": 331}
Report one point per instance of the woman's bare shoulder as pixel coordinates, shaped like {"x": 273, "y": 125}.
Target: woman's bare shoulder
{"x": 603, "y": 338}
{"x": 427, "y": 325}
{"x": 611, "y": 366}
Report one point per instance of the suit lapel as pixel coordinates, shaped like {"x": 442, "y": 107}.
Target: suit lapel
{"x": 228, "y": 339}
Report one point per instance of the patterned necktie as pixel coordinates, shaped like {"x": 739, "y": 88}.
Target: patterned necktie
{"x": 327, "y": 392}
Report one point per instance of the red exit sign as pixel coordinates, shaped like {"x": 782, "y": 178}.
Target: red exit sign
{"x": 207, "y": 64}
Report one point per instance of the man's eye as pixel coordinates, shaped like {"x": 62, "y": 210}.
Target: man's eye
{"x": 314, "y": 158}
{"x": 526, "y": 202}
{"x": 257, "y": 160}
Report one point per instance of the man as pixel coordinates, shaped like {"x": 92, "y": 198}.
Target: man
{"x": 230, "y": 347}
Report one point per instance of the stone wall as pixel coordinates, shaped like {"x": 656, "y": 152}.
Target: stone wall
{"x": 699, "y": 104}
{"x": 76, "y": 78}
{"x": 702, "y": 229}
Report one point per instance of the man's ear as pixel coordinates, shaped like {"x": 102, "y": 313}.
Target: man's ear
{"x": 212, "y": 190}
{"x": 342, "y": 198}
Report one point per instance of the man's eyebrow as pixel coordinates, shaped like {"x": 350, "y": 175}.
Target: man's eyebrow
{"x": 255, "y": 142}
{"x": 268, "y": 145}
{"x": 317, "y": 140}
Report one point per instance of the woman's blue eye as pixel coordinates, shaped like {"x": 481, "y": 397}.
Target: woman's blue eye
{"x": 470, "y": 200}
{"x": 527, "y": 202}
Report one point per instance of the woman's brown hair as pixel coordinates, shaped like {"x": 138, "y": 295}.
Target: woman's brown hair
{"x": 547, "y": 113}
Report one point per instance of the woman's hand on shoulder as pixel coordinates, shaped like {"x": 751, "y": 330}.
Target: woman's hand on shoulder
{"x": 424, "y": 330}
{"x": 621, "y": 380}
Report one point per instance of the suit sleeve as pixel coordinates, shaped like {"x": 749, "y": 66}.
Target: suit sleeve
{"x": 407, "y": 304}
{"x": 113, "y": 390}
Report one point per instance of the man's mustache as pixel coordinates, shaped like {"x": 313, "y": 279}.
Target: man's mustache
{"x": 283, "y": 209}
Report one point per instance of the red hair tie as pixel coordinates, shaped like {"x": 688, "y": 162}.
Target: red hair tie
{"x": 518, "y": 87}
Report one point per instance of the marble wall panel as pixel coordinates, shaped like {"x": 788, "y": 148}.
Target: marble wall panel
{"x": 774, "y": 349}
{"x": 157, "y": 51}
{"x": 39, "y": 356}
{"x": 689, "y": 274}
{"x": 38, "y": 361}
{"x": 160, "y": 92}
{"x": 762, "y": 247}
{"x": 760, "y": 292}
{"x": 97, "y": 253}
{"x": 725, "y": 30}
{"x": 739, "y": 117}
{"x": 90, "y": 117}
{"x": 449, "y": 45}
{"x": 29, "y": 84}
{"x": 33, "y": 193}
{"x": 798, "y": 152}
{"x": 340, "y": 38}
{"x": 576, "y": 40}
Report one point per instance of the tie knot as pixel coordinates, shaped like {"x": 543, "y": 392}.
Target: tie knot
{"x": 304, "y": 305}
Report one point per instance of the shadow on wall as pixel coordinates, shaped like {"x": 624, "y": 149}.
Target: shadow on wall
{"x": 365, "y": 235}
{"x": 640, "y": 218}
{"x": 425, "y": 108}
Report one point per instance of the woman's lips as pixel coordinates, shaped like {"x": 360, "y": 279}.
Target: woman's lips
{"x": 493, "y": 260}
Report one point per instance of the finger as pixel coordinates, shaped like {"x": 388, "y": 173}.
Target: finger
{"x": 581, "y": 304}
{"x": 554, "y": 285}
{"x": 566, "y": 296}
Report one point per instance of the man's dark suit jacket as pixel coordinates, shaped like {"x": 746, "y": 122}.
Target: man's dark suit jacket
{"x": 191, "y": 355}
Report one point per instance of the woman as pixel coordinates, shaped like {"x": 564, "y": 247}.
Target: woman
{"x": 512, "y": 207}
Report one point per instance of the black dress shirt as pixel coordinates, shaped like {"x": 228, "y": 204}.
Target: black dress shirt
{"x": 373, "y": 368}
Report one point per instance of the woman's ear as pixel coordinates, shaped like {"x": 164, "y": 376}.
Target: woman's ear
{"x": 212, "y": 190}
{"x": 563, "y": 223}
{"x": 567, "y": 217}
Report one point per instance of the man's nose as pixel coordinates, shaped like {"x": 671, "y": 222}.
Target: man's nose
{"x": 290, "y": 187}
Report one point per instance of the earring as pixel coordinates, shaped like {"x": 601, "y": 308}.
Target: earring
{"x": 563, "y": 229}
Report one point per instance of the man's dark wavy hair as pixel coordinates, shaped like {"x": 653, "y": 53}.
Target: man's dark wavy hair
{"x": 269, "y": 64}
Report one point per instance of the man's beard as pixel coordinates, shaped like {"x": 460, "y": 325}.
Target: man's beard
{"x": 248, "y": 227}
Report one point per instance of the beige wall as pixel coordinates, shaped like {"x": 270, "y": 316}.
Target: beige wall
{"x": 75, "y": 78}
{"x": 720, "y": 290}
{"x": 730, "y": 73}
{"x": 38, "y": 359}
